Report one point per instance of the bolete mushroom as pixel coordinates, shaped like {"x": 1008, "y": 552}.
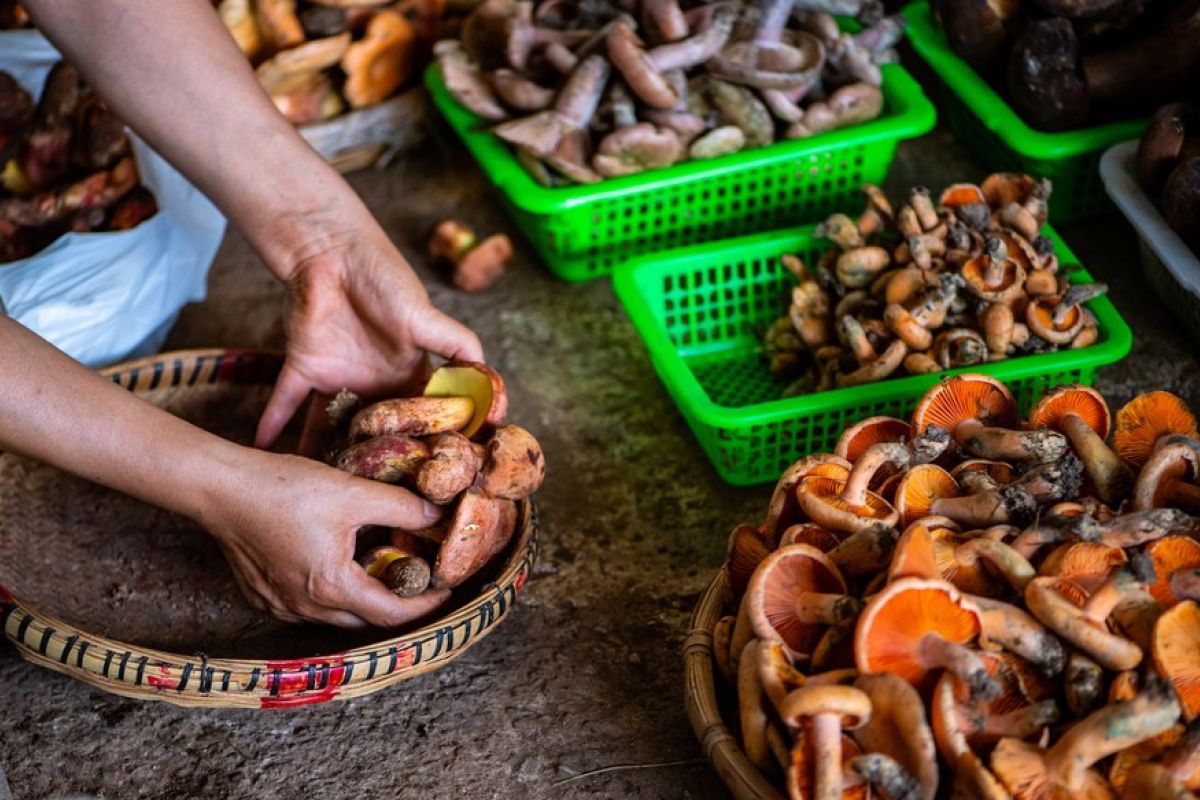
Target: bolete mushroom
{"x": 412, "y": 416}
{"x": 472, "y": 528}
{"x": 388, "y": 458}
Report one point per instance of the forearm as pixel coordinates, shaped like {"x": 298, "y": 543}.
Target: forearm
{"x": 171, "y": 71}
{"x": 57, "y": 411}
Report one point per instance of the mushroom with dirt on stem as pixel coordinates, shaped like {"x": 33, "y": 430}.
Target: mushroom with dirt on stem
{"x": 1081, "y": 414}
{"x": 825, "y": 711}
{"x": 899, "y": 729}
{"x": 1085, "y": 626}
{"x": 1176, "y": 653}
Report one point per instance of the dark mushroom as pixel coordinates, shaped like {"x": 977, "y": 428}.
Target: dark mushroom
{"x": 1173, "y": 130}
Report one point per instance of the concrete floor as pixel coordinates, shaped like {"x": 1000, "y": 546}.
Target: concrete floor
{"x": 586, "y": 674}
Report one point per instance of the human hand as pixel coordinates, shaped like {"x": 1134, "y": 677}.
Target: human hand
{"x": 288, "y": 525}
{"x": 358, "y": 318}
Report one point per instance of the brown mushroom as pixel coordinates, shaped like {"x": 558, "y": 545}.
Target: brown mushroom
{"x": 469, "y": 536}
{"x": 383, "y": 59}
{"x": 898, "y": 729}
{"x": 826, "y": 710}
{"x": 1084, "y": 626}
{"x": 1081, "y": 414}
{"x": 634, "y": 149}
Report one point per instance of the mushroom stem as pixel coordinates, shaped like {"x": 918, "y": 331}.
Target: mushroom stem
{"x": 1008, "y": 562}
{"x": 1077, "y": 627}
{"x": 1076, "y": 296}
{"x": 997, "y": 255}
{"x": 1055, "y": 530}
{"x": 1182, "y": 760}
{"x": 1110, "y": 475}
{"x": 864, "y": 552}
{"x": 1001, "y": 444}
{"x": 1016, "y": 631}
{"x": 939, "y": 653}
{"x": 1009, "y": 504}
{"x": 1140, "y": 527}
{"x": 827, "y": 609}
{"x": 1117, "y": 588}
{"x": 1021, "y": 723}
{"x": 1110, "y": 730}
{"x": 699, "y": 48}
{"x": 775, "y": 15}
{"x": 1083, "y": 683}
{"x": 753, "y": 716}
{"x": 887, "y": 776}
{"x": 877, "y": 456}
{"x": 1164, "y": 465}
{"x": 827, "y": 756}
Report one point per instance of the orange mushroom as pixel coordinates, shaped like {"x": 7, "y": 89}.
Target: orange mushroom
{"x": 1166, "y": 479}
{"x": 823, "y": 712}
{"x": 993, "y": 276}
{"x": 1009, "y": 714}
{"x": 1147, "y": 418}
{"x": 916, "y": 627}
{"x": 827, "y": 502}
{"x": 782, "y": 510}
{"x": 801, "y": 771}
{"x": 1030, "y": 772}
{"x": 814, "y": 535}
{"x": 1086, "y": 626}
{"x": 746, "y": 549}
{"x": 1001, "y": 472}
{"x": 932, "y": 548}
{"x": 856, "y": 439}
{"x": 1177, "y": 653}
{"x": 1015, "y": 630}
{"x": 1081, "y": 413}
{"x": 777, "y": 673}
{"x": 381, "y": 61}
{"x": 1086, "y": 564}
{"x": 794, "y": 593}
{"x": 918, "y": 489}
{"x": 980, "y": 414}
{"x": 971, "y": 776}
{"x": 1171, "y": 555}
{"x": 899, "y": 729}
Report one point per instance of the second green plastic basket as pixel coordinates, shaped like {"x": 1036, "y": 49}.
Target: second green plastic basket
{"x": 582, "y": 232}
{"x": 983, "y": 121}
{"x": 701, "y": 311}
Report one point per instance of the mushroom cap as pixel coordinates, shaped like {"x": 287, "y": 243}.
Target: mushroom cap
{"x": 1000, "y": 471}
{"x": 780, "y": 66}
{"x": 855, "y": 440}
{"x": 1151, "y": 749}
{"x": 810, "y": 534}
{"x": 636, "y": 148}
{"x": 1014, "y": 695}
{"x": 746, "y": 549}
{"x": 891, "y": 627}
{"x": 1012, "y": 283}
{"x": 928, "y": 548}
{"x": 956, "y": 399}
{"x": 1083, "y": 401}
{"x": 1002, "y": 188}
{"x": 1177, "y": 653}
{"x": 1018, "y": 248}
{"x": 821, "y": 499}
{"x": 1085, "y": 564}
{"x": 466, "y": 547}
{"x": 851, "y": 704}
{"x": 958, "y": 195}
{"x": 1170, "y": 554}
{"x": 1021, "y": 767}
{"x": 899, "y": 728}
{"x": 775, "y": 587}
{"x": 920, "y": 486}
{"x": 782, "y": 509}
{"x": 776, "y": 672}
{"x": 1144, "y": 420}
{"x": 1039, "y": 316}
{"x": 1176, "y": 460}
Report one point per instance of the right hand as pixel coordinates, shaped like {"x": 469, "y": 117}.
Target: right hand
{"x": 288, "y": 527}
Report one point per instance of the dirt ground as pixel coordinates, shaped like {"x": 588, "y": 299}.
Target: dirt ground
{"x": 586, "y": 674}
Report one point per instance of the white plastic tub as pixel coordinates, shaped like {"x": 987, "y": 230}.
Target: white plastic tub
{"x": 1170, "y": 265}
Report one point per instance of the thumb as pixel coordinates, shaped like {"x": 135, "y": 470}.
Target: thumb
{"x": 394, "y": 507}
{"x": 368, "y": 599}
{"x": 290, "y": 391}
{"x": 446, "y": 337}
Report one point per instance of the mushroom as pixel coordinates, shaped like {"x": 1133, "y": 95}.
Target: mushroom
{"x": 1082, "y": 415}
{"x": 916, "y": 627}
{"x": 883, "y": 366}
{"x": 839, "y": 506}
{"x": 378, "y": 63}
{"x": 1010, "y": 714}
{"x": 636, "y": 148}
{"x": 1085, "y": 564}
{"x": 475, "y": 523}
{"x": 1176, "y": 652}
{"x": 402, "y": 570}
{"x": 1059, "y": 318}
{"x": 919, "y": 488}
{"x": 994, "y": 276}
{"x": 466, "y": 82}
{"x": 1017, "y": 631}
{"x": 959, "y": 347}
{"x": 978, "y": 31}
{"x": 792, "y": 595}
{"x": 865, "y": 551}
{"x": 930, "y": 548}
{"x": 746, "y": 549}
{"x": 849, "y": 105}
{"x": 502, "y": 33}
{"x": 826, "y": 710}
{"x": 278, "y": 24}
{"x": 887, "y": 777}
{"x": 899, "y": 729}
{"x": 968, "y": 405}
{"x": 751, "y": 711}
{"x": 520, "y": 92}
{"x": 717, "y": 142}
{"x": 801, "y": 770}
{"x": 1163, "y": 479}
{"x": 766, "y": 60}
{"x": 860, "y": 436}
{"x": 777, "y": 674}
{"x": 1172, "y": 555}
{"x": 970, "y": 775}
{"x": 783, "y": 508}
{"x": 738, "y": 105}
{"x": 543, "y": 133}
{"x": 390, "y": 458}
{"x": 1164, "y": 143}
{"x": 1033, "y": 773}
{"x": 1084, "y": 626}
{"x": 1145, "y": 420}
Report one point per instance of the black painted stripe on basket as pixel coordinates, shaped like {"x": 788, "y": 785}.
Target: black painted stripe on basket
{"x": 311, "y": 682}
{"x": 393, "y": 658}
{"x": 71, "y": 640}
{"x": 324, "y": 682}
{"x": 487, "y": 616}
{"x": 374, "y": 661}
{"x": 228, "y": 676}
{"x": 133, "y": 378}
{"x": 177, "y": 372}
{"x": 23, "y": 628}
{"x": 141, "y": 670}
{"x": 156, "y": 378}
{"x": 121, "y": 667}
{"x": 184, "y": 677}
{"x": 83, "y": 647}
{"x": 216, "y": 369}
{"x": 273, "y": 681}
{"x": 199, "y": 365}
{"x": 46, "y": 634}
{"x": 347, "y": 672}
{"x": 206, "y": 679}
{"x": 108, "y": 657}
{"x": 253, "y": 680}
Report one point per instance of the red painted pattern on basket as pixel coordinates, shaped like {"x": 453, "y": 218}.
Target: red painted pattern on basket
{"x": 293, "y": 676}
{"x": 163, "y": 679}
{"x": 519, "y": 582}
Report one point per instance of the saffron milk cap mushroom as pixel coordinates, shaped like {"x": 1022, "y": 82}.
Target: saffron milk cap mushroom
{"x": 1176, "y": 653}
{"x": 1147, "y": 418}
{"x": 1081, "y": 413}
{"x": 899, "y": 729}
{"x": 826, "y": 711}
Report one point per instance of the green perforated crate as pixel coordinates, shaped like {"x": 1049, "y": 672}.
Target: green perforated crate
{"x": 701, "y": 311}
{"x": 582, "y": 232}
{"x": 983, "y": 121}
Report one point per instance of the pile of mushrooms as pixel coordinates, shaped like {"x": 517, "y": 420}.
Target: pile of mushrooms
{"x": 316, "y": 57}
{"x": 963, "y": 600}
{"x": 1067, "y": 63}
{"x": 65, "y": 165}
{"x": 451, "y": 445}
{"x": 592, "y": 90}
{"x": 1168, "y": 168}
{"x": 925, "y": 287}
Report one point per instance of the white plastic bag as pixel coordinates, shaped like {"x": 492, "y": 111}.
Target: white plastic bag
{"x": 106, "y": 297}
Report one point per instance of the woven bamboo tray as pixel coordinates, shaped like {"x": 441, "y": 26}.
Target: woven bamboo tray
{"x": 197, "y": 680}
{"x": 371, "y": 136}
{"x": 742, "y": 778}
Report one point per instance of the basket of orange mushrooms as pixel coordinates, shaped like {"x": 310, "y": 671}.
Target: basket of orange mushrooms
{"x": 965, "y": 604}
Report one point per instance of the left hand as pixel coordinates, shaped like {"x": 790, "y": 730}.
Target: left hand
{"x": 358, "y": 318}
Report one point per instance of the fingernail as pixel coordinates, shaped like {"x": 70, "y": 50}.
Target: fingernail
{"x": 432, "y": 513}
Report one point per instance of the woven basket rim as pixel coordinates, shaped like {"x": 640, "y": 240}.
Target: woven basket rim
{"x": 149, "y": 673}
{"x": 720, "y": 746}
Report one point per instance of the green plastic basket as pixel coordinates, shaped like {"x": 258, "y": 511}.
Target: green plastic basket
{"x": 701, "y": 310}
{"x": 998, "y": 137}
{"x": 582, "y": 232}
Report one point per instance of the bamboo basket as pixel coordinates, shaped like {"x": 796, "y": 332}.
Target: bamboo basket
{"x": 742, "y": 778}
{"x": 198, "y": 681}
{"x": 371, "y": 136}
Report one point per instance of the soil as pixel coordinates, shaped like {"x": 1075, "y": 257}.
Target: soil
{"x": 585, "y": 675}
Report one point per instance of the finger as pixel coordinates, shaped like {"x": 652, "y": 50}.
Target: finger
{"x": 394, "y": 507}
{"x": 290, "y": 391}
{"x": 369, "y": 599}
{"x": 318, "y": 428}
{"x": 333, "y": 616}
{"x": 447, "y": 337}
